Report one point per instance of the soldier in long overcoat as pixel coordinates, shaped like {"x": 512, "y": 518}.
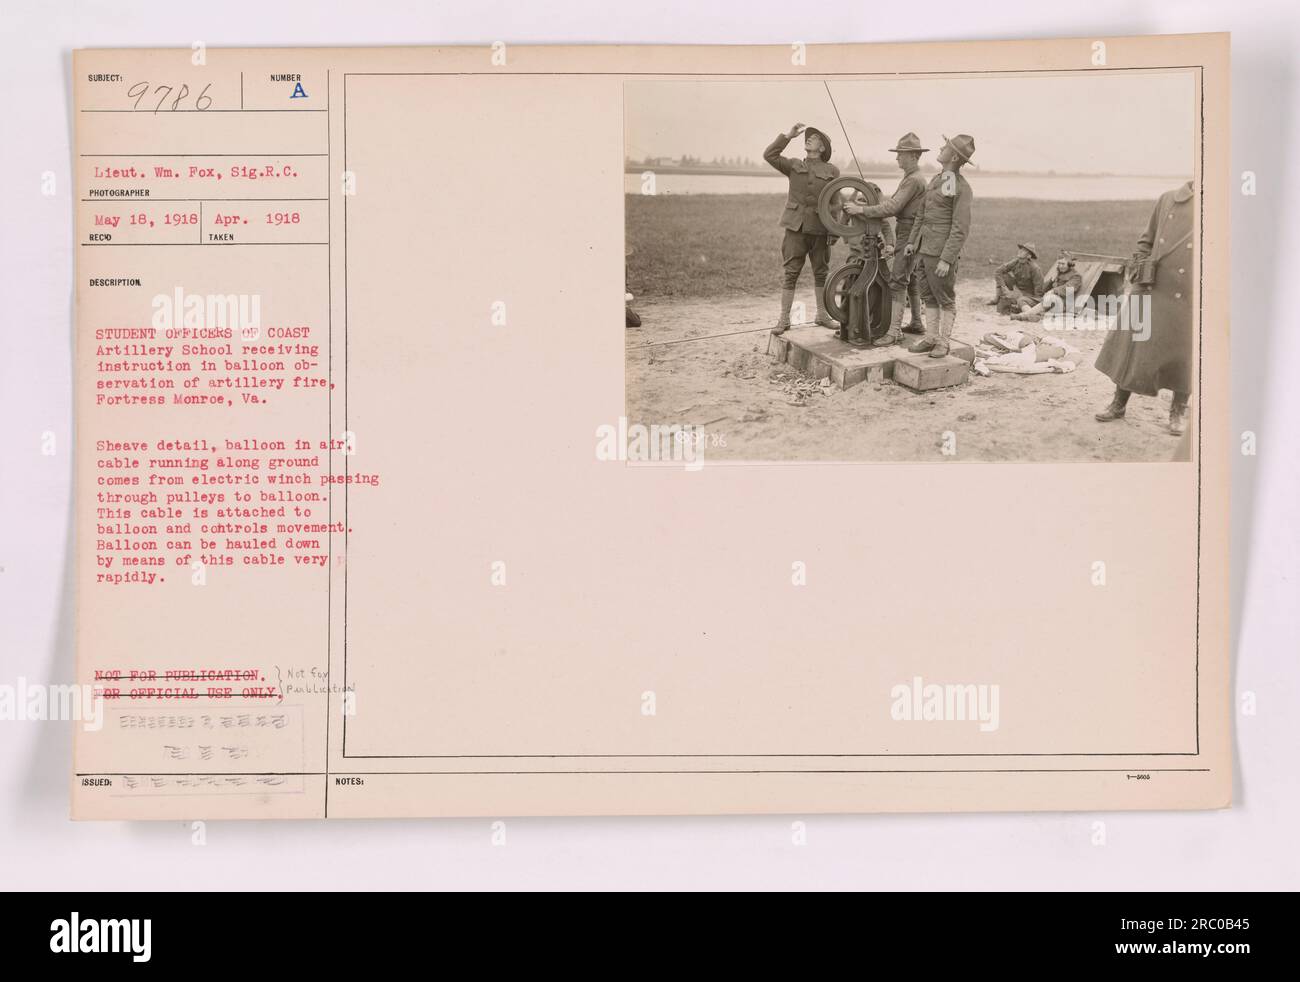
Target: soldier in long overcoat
{"x": 1155, "y": 352}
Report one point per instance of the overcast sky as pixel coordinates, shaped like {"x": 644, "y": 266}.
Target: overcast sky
{"x": 1086, "y": 122}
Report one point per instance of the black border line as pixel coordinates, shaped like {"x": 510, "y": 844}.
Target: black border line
{"x": 329, "y": 428}
{"x": 343, "y": 747}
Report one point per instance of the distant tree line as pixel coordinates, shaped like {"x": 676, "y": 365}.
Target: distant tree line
{"x": 739, "y": 163}
{"x": 689, "y": 160}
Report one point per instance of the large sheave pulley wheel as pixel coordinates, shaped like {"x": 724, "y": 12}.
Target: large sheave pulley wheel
{"x": 835, "y": 294}
{"x": 838, "y": 193}
{"x": 876, "y": 299}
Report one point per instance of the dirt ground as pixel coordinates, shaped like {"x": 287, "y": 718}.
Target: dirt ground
{"x": 751, "y": 409}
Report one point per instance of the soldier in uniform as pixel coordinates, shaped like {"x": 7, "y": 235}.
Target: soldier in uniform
{"x": 1019, "y": 283}
{"x": 1067, "y": 284}
{"x": 903, "y": 207}
{"x": 1161, "y": 268}
{"x": 938, "y": 233}
{"x": 806, "y": 238}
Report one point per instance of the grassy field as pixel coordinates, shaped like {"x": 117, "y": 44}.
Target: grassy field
{"x": 717, "y": 245}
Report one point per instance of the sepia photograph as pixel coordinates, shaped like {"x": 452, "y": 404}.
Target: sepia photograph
{"x": 984, "y": 267}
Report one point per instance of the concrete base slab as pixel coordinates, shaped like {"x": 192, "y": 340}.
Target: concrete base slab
{"x": 819, "y": 352}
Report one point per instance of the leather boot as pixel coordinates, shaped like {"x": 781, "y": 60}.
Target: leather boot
{"x": 1118, "y": 403}
{"x": 931, "y": 336}
{"x": 787, "y": 301}
{"x": 946, "y": 319}
{"x": 917, "y": 324}
{"x": 823, "y": 316}
{"x": 895, "y": 334}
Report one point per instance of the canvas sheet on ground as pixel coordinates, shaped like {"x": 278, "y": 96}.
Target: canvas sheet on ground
{"x": 641, "y": 430}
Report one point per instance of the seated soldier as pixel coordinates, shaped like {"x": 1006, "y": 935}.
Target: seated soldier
{"x": 1019, "y": 283}
{"x": 1061, "y": 296}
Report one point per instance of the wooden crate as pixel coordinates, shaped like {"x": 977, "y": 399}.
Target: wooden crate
{"x": 922, "y": 373}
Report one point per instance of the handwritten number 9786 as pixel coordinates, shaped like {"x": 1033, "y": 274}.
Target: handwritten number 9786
{"x": 176, "y": 94}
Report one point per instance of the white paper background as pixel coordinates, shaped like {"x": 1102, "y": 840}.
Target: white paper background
{"x": 1251, "y": 846}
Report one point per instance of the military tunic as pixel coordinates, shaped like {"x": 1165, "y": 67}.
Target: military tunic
{"x": 1070, "y": 282}
{"x": 943, "y": 221}
{"x": 1023, "y": 275}
{"x": 903, "y": 206}
{"x": 807, "y": 178}
{"x": 938, "y": 233}
{"x": 805, "y": 235}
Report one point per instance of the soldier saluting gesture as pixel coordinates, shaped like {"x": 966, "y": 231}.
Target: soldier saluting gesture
{"x": 806, "y": 238}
